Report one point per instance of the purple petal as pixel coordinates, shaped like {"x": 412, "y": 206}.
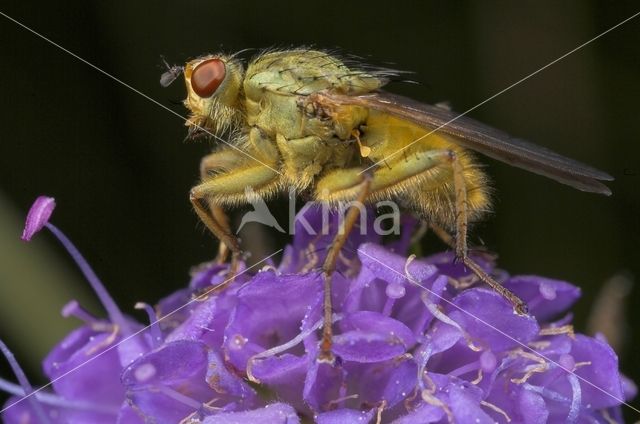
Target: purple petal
{"x": 207, "y": 320}
{"x": 464, "y": 401}
{"x": 227, "y": 384}
{"x": 423, "y": 414}
{"x": 533, "y": 408}
{"x": 171, "y": 311}
{"x": 284, "y": 375}
{"x": 323, "y": 385}
{"x": 95, "y": 381}
{"x": 170, "y": 383}
{"x": 390, "y": 267}
{"x": 371, "y": 337}
{"x": 545, "y": 297}
{"x": 629, "y": 388}
{"x": 490, "y": 320}
{"x": 275, "y": 413}
{"x": 208, "y": 274}
{"x": 601, "y": 372}
{"x": 128, "y": 415}
{"x": 390, "y": 381}
{"x": 346, "y": 416}
{"x": 269, "y": 312}
{"x": 38, "y": 216}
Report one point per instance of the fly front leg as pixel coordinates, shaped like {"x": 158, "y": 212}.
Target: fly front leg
{"x": 228, "y": 188}
{"x": 346, "y": 185}
{"x": 211, "y": 164}
{"x": 228, "y": 241}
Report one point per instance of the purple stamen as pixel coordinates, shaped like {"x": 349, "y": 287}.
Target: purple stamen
{"x": 154, "y": 330}
{"x": 115, "y": 315}
{"x": 73, "y": 308}
{"x": 57, "y": 401}
{"x": 24, "y": 382}
{"x": 38, "y": 216}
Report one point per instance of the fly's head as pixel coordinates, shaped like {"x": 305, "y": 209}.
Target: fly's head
{"x": 214, "y": 86}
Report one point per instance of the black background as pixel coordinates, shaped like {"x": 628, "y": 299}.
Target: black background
{"x": 120, "y": 172}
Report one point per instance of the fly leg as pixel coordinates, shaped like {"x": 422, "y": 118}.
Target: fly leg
{"x": 226, "y": 189}
{"x": 329, "y": 266}
{"x": 211, "y": 164}
{"x": 219, "y": 228}
{"x": 460, "y": 193}
{"x": 345, "y": 185}
{"x": 420, "y": 165}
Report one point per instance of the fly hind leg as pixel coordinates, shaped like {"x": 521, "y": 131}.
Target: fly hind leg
{"x": 424, "y": 172}
{"x": 461, "y": 214}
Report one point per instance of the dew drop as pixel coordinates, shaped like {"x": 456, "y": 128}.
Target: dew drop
{"x": 547, "y": 291}
{"x": 567, "y": 361}
{"x": 488, "y": 361}
{"x": 237, "y": 342}
{"x": 144, "y": 372}
{"x": 395, "y": 290}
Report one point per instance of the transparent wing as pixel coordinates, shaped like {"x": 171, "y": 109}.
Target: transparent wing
{"x": 482, "y": 138}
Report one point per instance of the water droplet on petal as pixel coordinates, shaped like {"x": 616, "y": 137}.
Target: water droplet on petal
{"x": 488, "y": 361}
{"x": 237, "y": 342}
{"x": 395, "y": 290}
{"x": 547, "y": 291}
{"x": 567, "y": 361}
{"x": 144, "y": 372}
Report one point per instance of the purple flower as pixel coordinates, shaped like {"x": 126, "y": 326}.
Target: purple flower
{"x": 416, "y": 341}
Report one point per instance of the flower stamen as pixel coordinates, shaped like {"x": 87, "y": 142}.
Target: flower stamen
{"x": 554, "y": 331}
{"x": 478, "y": 379}
{"x": 106, "y": 342}
{"x": 380, "y": 410}
{"x": 283, "y": 347}
{"x": 154, "y": 330}
{"x": 496, "y": 409}
{"x": 436, "y": 311}
{"x": 432, "y": 400}
{"x": 24, "y": 382}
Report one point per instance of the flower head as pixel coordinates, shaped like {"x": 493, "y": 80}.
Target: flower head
{"x": 416, "y": 340}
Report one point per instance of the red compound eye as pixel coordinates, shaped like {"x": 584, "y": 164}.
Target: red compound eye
{"x": 207, "y": 77}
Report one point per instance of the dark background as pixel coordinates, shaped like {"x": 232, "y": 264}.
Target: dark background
{"x": 120, "y": 171}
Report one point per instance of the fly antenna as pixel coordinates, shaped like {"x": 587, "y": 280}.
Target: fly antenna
{"x": 171, "y": 74}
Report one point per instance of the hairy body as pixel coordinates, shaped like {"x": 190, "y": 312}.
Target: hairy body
{"x": 316, "y": 151}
